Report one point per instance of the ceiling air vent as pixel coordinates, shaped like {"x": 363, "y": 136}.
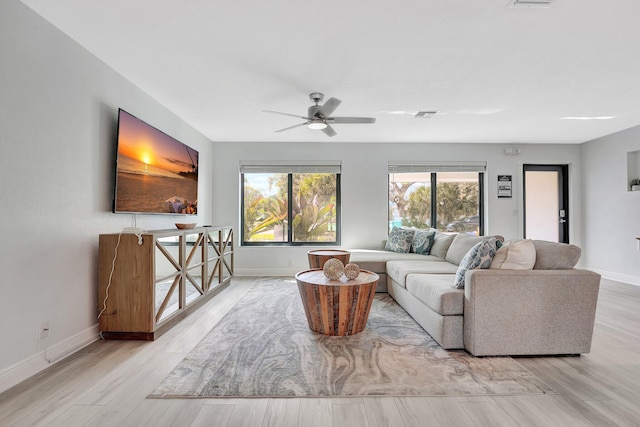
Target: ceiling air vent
{"x": 424, "y": 114}
{"x": 529, "y": 3}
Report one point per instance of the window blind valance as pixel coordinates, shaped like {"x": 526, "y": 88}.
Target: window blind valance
{"x": 271, "y": 166}
{"x": 413, "y": 166}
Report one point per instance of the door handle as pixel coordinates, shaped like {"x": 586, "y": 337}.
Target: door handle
{"x": 562, "y": 221}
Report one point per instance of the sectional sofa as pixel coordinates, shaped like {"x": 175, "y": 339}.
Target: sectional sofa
{"x": 545, "y": 308}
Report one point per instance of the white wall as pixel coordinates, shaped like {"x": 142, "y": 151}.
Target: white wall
{"x": 611, "y": 212}
{"x": 364, "y": 189}
{"x": 58, "y": 114}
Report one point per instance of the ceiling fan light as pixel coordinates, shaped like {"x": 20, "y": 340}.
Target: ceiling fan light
{"x": 317, "y": 124}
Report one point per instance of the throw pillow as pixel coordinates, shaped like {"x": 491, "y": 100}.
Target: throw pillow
{"x": 441, "y": 244}
{"x": 400, "y": 240}
{"x": 479, "y": 256}
{"x": 555, "y": 256}
{"x": 520, "y": 255}
{"x": 461, "y": 245}
{"x": 422, "y": 241}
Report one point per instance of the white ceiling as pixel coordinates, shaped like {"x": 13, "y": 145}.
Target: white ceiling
{"x": 496, "y": 74}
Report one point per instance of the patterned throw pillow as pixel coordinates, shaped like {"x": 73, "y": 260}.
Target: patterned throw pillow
{"x": 400, "y": 240}
{"x": 422, "y": 241}
{"x": 479, "y": 256}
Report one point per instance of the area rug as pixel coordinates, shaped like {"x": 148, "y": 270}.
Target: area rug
{"x": 264, "y": 348}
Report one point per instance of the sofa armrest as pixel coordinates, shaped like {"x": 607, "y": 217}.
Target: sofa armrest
{"x": 529, "y": 312}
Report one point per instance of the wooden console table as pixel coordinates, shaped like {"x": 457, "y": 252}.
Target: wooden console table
{"x": 145, "y": 288}
{"x": 336, "y": 307}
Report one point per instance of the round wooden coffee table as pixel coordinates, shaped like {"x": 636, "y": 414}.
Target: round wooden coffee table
{"x": 318, "y": 257}
{"x": 336, "y": 307}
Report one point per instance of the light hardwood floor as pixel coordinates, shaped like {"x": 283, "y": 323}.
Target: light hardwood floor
{"x": 106, "y": 384}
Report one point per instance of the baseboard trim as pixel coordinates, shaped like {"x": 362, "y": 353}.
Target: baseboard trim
{"x": 618, "y": 277}
{"x": 25, "y": 369}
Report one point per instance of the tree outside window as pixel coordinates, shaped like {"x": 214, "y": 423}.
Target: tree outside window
{"x": 290, "y": 208}
{"x": 455, "y": 206}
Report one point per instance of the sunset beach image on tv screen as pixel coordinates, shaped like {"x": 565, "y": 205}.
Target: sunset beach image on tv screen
{"x": 155, "y": 172}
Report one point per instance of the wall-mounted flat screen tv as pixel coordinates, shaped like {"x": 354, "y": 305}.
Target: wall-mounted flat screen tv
{"x": 155, "y": 173}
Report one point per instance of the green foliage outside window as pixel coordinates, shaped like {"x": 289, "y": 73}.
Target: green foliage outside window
{"x": 313, "y": 208}
{"x": 418, "y": 209}
{"x": 456, "y": 201}
{"x": 410, "y": 200}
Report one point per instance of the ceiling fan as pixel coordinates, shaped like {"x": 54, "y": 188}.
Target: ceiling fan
{"x": 318, "y": 116}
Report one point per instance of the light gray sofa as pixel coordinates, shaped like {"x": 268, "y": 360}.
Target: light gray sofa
{"x": 549, "y": 309}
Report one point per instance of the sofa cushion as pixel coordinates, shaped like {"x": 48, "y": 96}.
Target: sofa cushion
{"x": 435, "y": 291}
{"x": 398, "y": 270}
{"x": 400, "y": 240}
{"x": 515, "y": 255}
{"x": 376, "y": 260}
{"x": 461, "y": 245}
{"x": 422, "y": 241}
{"x": 479, "y": 256}
{"x": 441, "y": 243}
{"x": 555, "y": 256}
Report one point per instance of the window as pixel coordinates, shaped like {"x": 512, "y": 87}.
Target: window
{"x": 290, "y": 204}
{"x": 447, "y": 197}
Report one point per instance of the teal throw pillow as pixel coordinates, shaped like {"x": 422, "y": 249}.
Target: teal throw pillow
{"x": 400, "y": 240}
{"x": 479, "y": 256}
{"x": 422, "y": 241}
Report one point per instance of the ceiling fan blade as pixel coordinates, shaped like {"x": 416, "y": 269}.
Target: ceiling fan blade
{"x": 329, "y": 131}
{"x": 351, "y": 120}
{"x": 329, "y": 107}
{"x": 291, "y": 127}
{"x": 286, "y": 114}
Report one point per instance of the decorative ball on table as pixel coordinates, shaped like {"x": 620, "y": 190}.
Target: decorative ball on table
{"x": 351, "y": 271}
{"x": 333, "y": 269}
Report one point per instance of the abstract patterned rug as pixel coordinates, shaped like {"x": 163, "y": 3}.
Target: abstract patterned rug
{"x": 264, "y": 348}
